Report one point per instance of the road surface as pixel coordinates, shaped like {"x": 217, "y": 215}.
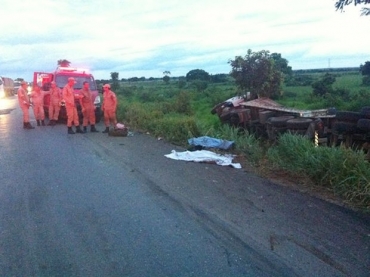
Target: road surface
{"x": 94, "y": 205}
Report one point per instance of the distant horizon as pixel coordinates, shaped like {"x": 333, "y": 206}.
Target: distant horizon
{"x": 146, "y": 78}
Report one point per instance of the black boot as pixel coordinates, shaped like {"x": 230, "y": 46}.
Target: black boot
{"x": 70, "y": 131}
{"x": 78, "y": 130}
{"x": 93, "y": 129}
{"x": 24, "y": 125}
{"x": 29, "y": 126}
{"x": 84, "y": 130}
{"x": 106, "y": 130}
{"x": 43, "y": 122}
{"x": 38, "y": 122}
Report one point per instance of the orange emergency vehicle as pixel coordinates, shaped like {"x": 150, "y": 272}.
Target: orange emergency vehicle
{"x": 60, "y": 77}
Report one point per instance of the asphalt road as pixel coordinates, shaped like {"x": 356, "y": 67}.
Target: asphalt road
{"x": 94, "y": 205}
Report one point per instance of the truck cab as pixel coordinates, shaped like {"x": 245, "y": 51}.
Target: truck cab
{"x": 60, "y": 77}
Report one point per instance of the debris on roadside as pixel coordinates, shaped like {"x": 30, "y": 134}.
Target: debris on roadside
{"x": 209, "y": 142}
{"x": 120, "y": 130}
{"x": 204, "y": 156}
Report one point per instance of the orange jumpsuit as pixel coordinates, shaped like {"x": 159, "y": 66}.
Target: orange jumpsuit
{"x": 88, "y": 108}
{"x": 54, "y": 106}
{"x": 24, "y": 103}
{"x": 69, "y": 98}
{"x": 38, "y": 104}
{"x": 109, "y": 107}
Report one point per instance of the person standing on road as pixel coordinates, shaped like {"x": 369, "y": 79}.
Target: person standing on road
{"x": 24, "y": 104}
{"x": 69, "y": 98}
{"x": 55, "y": 102}
{"x": 109, "y": 107}
{"x": 88, "y": 108}
{"x": 37, "y": 96}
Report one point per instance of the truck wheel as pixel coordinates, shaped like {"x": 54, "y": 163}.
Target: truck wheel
{"x": 298, "y": 123}
{"x": 344, "y": 127}
{"x": 348, "y": 116}
{"x": 363, "y": 124}
{"x": 365, "y": 112}
{"x": 279, "y": 121}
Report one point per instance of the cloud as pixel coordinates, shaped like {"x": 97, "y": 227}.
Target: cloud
{"x": 145, "y": 38}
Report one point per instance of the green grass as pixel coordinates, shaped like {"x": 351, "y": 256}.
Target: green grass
{"x": 177, "y": 114}
{"x": 352, "y": 82}
{"x": 342, "y": 170}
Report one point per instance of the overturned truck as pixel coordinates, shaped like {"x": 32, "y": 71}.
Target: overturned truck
{"x": 267, "y": 118}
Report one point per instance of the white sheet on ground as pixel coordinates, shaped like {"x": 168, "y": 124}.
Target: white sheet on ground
{"x": 203, "y": 156}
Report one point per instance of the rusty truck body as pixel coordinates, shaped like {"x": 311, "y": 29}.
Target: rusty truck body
{"x": 267, "y": 118}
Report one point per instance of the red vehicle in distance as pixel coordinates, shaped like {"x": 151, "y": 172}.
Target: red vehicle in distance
{"x": 60, "y": 77}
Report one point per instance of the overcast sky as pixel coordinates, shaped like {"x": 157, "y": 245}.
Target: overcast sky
{"x": 143, "y": 38}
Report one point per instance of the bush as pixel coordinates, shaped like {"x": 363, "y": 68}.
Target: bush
{"x": 181, "y": 83}
{"x": 199, "y": 85}
{"x": 366, "y": 81}
{"x": 182, "y": 103}
{"x": 344, "y": 171}
{"x": 246, "y": 144}
{"x": 176, "y": 129}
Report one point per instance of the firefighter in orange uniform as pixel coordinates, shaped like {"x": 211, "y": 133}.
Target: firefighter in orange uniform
{"x": 109, "y": 107}
{"x": 54, "y": 105}
{"x": 88, "y": 108}
{"x": 69, "y": 98}
{"x": 24, "y": 104}
{"x": 37, "y": 96}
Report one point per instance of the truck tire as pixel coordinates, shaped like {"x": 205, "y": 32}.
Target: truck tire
{"x": 341, "y": 127}
{"x": 279, "y": 121}
{"x": 298, "y": 123}
{"x": 363, "y": 124}
{"x": 332, "y": 111}
{"x": 348, "y": 116}
{"x": 365, "y": 112}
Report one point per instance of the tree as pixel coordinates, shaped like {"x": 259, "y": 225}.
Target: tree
{"x": 282, "y": 64}
{"x": 197, "y": 74}
{"x": 114, "y": 76}
{"x": 115, "y": 83}
{"x": 365, "y": 71}
{"x": 64, "y": 63}
{"x": 339, "y": 5}
{"x": 258, "y": 73}
{"x": 324, "y": 85}
{"x": 219, "y": 78}
{"x": 166, "y": 78}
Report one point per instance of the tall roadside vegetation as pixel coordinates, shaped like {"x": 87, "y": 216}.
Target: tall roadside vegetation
{"x": 181, "y": 109}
